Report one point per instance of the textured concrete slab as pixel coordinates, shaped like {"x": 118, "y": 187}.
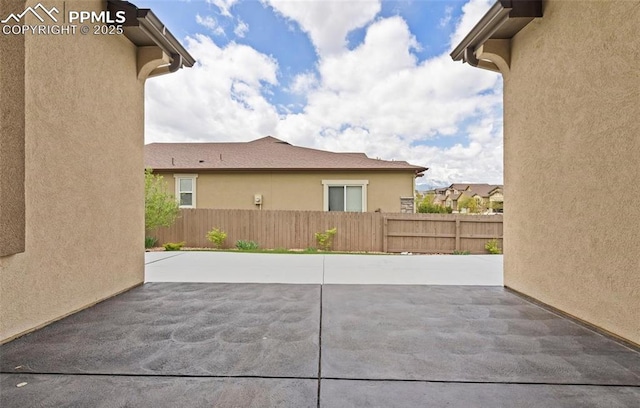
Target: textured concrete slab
{"x": 182, "y": 329}
{"x": 195, "y": 344}
{"x": 385, "y": 394}
{"x": 485, "y": 270}
{"x": 206, "y": 266}
{"x": 447, "y": 333}
{"x": 154, "y": 392}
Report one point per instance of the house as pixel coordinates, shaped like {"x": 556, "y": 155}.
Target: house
{"x": 72, "y": 126}
{"x": 271, "y": 174}
{"x": 488, "y": 196}
{"x": 571, "y": 108}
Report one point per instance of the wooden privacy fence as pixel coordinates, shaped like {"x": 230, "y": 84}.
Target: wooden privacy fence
{"x": 365, "y": 232}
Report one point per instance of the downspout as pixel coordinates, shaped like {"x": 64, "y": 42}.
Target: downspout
{"x": 174, "y": 65}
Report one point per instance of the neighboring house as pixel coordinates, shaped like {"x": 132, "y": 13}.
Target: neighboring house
{"x": 451, "y": 201}
{"x": 488, "y": 196}
{"x": 71, "y": 187}
{"x": 272, "y": 174}
{"x": 571, "y": 130}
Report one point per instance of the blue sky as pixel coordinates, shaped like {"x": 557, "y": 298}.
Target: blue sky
{"x": 351, "y": 75}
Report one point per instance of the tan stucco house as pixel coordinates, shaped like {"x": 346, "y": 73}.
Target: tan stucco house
{"x": 71, "y": 154}
{"x": 571, "y": 129}
{"x": 489, "y": 196}
{"x": 271, "y": 174}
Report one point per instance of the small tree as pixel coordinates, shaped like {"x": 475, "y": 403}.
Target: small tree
{"x": 426, "y": 205}
{"x": 471, "y": 204}
{"x": 160, "y": 207}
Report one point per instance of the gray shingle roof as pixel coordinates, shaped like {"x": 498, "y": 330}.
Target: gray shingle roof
{"x": 267, "y": 153}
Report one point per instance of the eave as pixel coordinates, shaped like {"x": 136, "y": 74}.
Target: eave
{"x": 488, "y": 44}
{"x": 418, "y": 171}
{"x": 159, "y": 52}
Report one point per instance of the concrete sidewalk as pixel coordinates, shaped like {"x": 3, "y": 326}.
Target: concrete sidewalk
{"x": 231, "y": 267}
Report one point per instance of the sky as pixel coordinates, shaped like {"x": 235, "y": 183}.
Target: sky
{"x": 340, "y": 75}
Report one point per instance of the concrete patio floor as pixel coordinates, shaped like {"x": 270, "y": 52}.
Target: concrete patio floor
{"x": 170, "y": 344}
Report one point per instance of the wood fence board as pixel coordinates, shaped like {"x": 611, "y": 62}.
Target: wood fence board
{"x": 366, "y": 232}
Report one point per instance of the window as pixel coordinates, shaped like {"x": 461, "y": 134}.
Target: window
{"x": 345, "y": 195}
{"x": 186, "y": 190}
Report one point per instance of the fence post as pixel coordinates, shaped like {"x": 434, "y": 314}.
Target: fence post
{"x": 384, "y": 235}
{"x": 457, "y": 232}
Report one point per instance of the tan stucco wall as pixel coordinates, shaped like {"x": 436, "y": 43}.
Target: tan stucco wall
{"x": 572, "y": 169}
{"x": 84, "y": 182}
{"x": 12, "y": 206}
{"x": 292, "y": 191}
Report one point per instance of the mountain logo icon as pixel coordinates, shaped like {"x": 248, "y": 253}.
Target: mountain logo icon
{"x": 33, "y": 10}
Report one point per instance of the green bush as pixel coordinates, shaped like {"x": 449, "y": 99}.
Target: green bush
{"x": 456, "y": 252}
{"x": 472, "y": 205}
{"x": 247, "y": 245}
{"x": 150, "y": 242}
{"x": 173, "y": 246}
{"x": 160, "y": 207}
{"x": 426, "y": 205}
{"x": 217, "y": 237}
{"x": 325, "y": 239}
{"x": 311, "y": 250}
{"x": 492, "y": 247}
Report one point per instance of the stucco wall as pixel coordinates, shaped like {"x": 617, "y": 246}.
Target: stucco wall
{"x": 572, "y": 169}
{"x": 83, "y": 178}
{"x": 292, "y": 191}
{"x": 12, "y": 206}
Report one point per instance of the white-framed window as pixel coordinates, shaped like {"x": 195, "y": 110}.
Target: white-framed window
{"x": 345, "y": 195}
{"x": 186, "y": 190}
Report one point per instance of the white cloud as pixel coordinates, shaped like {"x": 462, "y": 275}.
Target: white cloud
{"x": 211, "y": 23}
{"x": 328, "y": 22}
{"x": 224, "y": 6}
{"x": 444, "y": 21}
{"x": 471, "y": 14}
{"x": 303, "y": 83}
{"x": 380, "y": 86}
{"x": 218, "y": 99}
{"x": 241, "y": 29}
{"x": 378, "y": 99}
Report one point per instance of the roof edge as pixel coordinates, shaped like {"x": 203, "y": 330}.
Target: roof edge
{"x": 497, "y": 17}
{"x": 415, "y": 169}
{"x": 151, "y": 26}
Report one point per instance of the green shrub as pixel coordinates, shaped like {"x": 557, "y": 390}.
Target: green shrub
{"x": 160, "y": 207}
{"x": 325, "y": 239}
{"x": 217, "y": 237}
{"x": 430, "y": 208}
{"x": 456, "y": 252}
{"x": 247, "y": 245}
{"x": 150, "y": 242}
{"x": 426, "y": 205}
{"x": 173, "y": 246}
{"x": 472, "y": 205}
{"x": 311, "y": 250}
{"x": 492, "y": 247}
